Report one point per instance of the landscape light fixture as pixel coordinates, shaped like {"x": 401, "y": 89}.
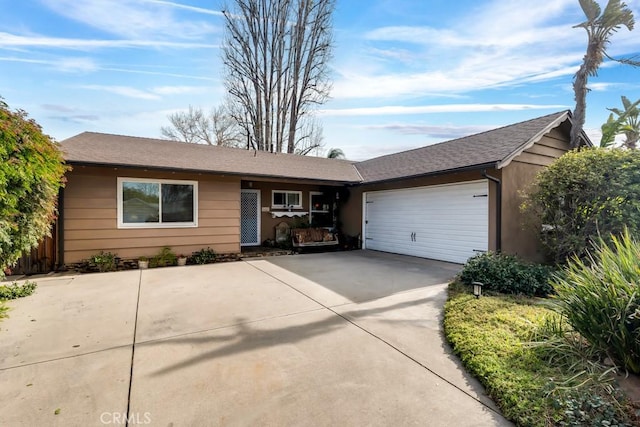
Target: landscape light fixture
{"x": 477, "y": 289}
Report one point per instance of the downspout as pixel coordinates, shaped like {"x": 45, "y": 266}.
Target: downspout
{"x": 60, "y": 230}
{"x": 498, "y": 208}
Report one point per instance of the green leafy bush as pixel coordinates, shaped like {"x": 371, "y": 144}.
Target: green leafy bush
{"x": 165, "y": 258}
{"x": 203, "y": 256}
{"x": 601, "y": 299}
{"x": 507, "y": 274}
{"x": 31, "y": 173}
{"x": 15, "y": 290}
{"x": 583, "y": 195}
{"x": 103, "y": 261}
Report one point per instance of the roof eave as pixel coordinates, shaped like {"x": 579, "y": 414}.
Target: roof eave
{"x": 440, "y": 172}
{"x": 537, "y": 137}
{"x": 203, "y": 171}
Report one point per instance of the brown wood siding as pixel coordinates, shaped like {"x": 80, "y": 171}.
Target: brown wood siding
{"x": 518, "y": 236}
{"x": 90, "y": 216}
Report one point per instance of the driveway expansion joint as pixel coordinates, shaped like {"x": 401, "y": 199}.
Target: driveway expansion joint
{"x": 390, "y": 345}
{"x": 133, "y": 347}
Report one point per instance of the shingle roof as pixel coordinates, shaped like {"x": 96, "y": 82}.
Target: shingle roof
{"x": 492, "y": 148}
{"x": 106, "y": 149}
{"x": 487, "y": 148}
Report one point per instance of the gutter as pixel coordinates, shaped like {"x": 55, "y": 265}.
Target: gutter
{"x": 60, "y": 230}
{"x": 498, "y": 208}
{"x": 462, "y": 169}
{"x": 247, "y": 176}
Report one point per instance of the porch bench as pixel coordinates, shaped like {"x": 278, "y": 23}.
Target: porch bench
{"x": 313, "y": 237}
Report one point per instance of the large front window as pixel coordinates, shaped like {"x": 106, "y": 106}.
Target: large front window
{"x": 150, "y": 203}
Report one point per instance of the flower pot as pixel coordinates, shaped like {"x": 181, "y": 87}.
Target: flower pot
{"x": 143, "y": 264}
{"x": 182, "y": 261}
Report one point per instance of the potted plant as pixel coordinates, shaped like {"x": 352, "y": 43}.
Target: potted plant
{"x": 143, "y": 262}
{"x": 182, "y": 260}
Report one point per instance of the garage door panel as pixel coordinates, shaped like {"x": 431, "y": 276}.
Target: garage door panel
{"x": 450, "y": 222}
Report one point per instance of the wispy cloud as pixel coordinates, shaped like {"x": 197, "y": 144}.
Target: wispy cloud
{"x": 433, "y": 131}
{"x": 12, "y": 40}
{"x": 67, "y": 114}
{"x": 66, "y": 65}
{"x": 432, "y": 109}
{"x": 132, "y": 19}
{"x": 58, "y": 108}
{"x": 126, "y": 91}
{"x": 150, "y": 94}
{"x": 77, "y": 118}
{"x": 177, "y": 90}
{"x": 497, "y": 44}
{"x": 186, "y": 7}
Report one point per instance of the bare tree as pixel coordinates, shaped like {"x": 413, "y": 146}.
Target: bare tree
{"x": 276, "y": 54}
{"x": 600, "y": 26}
{"x": 194, "y": 126}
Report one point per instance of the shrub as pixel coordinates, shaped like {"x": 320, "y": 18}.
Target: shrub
{"x": 492, "y": 337}
{"x": 15, "y": 290}
{"x": 583, "y": 195}
{"x": 601, "y": 299}
{"x": 507, "y": 274}
{"x": 103, "y": 261}
{"x": 165, "y": 258}
{"x": 203, "y": 256}
{"x": 31, "y": 173}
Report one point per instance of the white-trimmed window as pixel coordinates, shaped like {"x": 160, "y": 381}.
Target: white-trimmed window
{"x": 157, "y": 203}
{"x": 285, "y": 199}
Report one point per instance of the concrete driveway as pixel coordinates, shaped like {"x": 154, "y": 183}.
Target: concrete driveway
{"x": 346, "y": 338}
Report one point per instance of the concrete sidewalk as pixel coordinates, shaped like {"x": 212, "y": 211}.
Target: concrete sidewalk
{"x": 245, "y": 343}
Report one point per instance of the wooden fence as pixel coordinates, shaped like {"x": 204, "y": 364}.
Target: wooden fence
{"x": 42, "y": 259}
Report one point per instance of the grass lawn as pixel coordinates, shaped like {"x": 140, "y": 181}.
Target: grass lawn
{"x": 533, "y": 385}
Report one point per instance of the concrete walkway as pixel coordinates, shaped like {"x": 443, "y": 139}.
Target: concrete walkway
{"x": 322, "y": 339}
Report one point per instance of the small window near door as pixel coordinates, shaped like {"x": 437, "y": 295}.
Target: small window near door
{"x": 285, "y": 199}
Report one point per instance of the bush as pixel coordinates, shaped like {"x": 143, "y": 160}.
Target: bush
{"x": 31, "y": 173}
{"x": 507, "y": 274}
{"x": 203, "y": 256}
{"x": 601, "y": 299}
{"x": 15, "y": 290}
{"x": 103, "y": 261}
{"x": 492, "y": 337}
{"x": 165, "y": 258}
{"x": 583, "y": 195}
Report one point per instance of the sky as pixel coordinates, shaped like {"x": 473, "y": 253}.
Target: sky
{"x": 406, "y": 73}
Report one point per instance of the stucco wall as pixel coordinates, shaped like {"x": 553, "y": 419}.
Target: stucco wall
{"x": 90, "y": 216}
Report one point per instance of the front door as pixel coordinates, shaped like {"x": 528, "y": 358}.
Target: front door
{"x": 250, "y": 218}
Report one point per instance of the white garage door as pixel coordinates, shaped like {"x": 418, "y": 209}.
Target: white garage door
{"x": 443, "y": 222}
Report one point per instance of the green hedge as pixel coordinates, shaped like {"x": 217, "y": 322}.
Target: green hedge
{"x": 507, "y": 274}
{"x": 584, "y": 195}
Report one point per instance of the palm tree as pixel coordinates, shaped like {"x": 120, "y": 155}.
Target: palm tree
{"x": 335, "y": 153}
{"x": 600, "y": 26}
{"x": 627, "y": 122}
